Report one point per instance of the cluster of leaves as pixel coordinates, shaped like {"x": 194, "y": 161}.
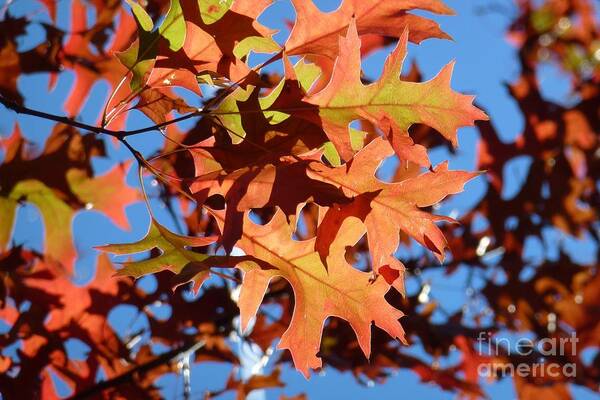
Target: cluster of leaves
{"x": 278, "y": 183}
{"x": 556, "y": 296}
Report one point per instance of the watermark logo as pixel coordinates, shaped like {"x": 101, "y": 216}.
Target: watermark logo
{"x": 498, "y": 348}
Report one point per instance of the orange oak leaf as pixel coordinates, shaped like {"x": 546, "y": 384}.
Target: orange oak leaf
{"x": 71, "y": 311}
{"x": 404, "y": 147}
{"x": 236, "y": 27}
{"x": 76, "y": 300}
{"x": 346, "y": 98}
{"x": 199, "y": 53}
{"x": 212, "y": 48}
{"x": 340, "y": 291}
{"x": 41, "y": 58}
{"x": 388, "y": 208}
{"x": 99, "y": 192}
{"x": 158, "y": 103}
{"x": 58, "y": 192}
{"x": 285, "y": 184}
{"x": 315, "y": 34}
{"x": 90, "y": 67}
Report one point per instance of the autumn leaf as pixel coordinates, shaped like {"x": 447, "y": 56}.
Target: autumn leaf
{"x": 199, "y": 54}
{"x": 41, "y": 58}
{"x": 285, "y": 184}
{"x": 212, "y": 34}
{"x": 339, "y": 291}
{"x": 213, "y": 10}
{"x": 388, "y": 208}
{"x": 175, "y": 251}
{"x": 316, "y": 34}
{"x": 55, "y": 214}
{"x": 68, "y": 305}
{"x": 173, "y": 28}
{"x": 72, "y": 187}
{"x": 157, "y": 104}
{"x": 346, "y": 98}
{"x": 305, "y": 143}
{"x": 8, "y": 212}
{"x": 78, "y": 55}
{"x": 237, "y": 30}
{"x": 99, "y": 192}
{"x": 140, "y": 56}
{"x": 248, "y": 116}
{"x": 404, "y": 147}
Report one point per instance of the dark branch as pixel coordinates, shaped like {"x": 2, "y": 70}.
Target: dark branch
{"x": 130, "y": 375}
{"x": 19, "y": 109}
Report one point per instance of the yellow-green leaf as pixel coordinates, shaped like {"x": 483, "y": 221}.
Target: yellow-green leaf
{"x": 173, "y": 27}
{"x": 8, "y": 209}
{"x": 175, "y": 251}
{"x": 212, "y": 10}
{"x": 56, "y": 215}
{"x": 141, "y": 16}
{"x": 258, "y": 44}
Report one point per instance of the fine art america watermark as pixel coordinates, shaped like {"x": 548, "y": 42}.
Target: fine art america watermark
{"x": 523, "y": 348}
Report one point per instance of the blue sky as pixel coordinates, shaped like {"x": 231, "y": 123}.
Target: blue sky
{"x": 484, "y": 62}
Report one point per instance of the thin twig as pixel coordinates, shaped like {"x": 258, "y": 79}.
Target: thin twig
{"x": 19, "y": 109}
{"x": 130, "y": 375}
